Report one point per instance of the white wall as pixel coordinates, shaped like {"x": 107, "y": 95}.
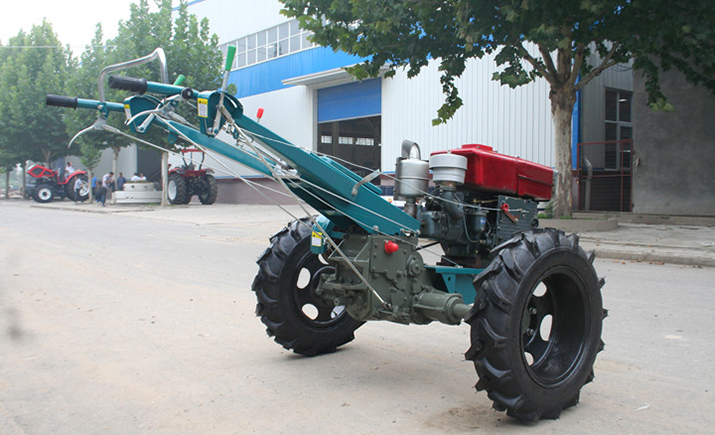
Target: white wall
{"x": 512, "y": 121}
{"x": 126, "y": 163}
{"x": 290, "y": 113}
{"x": 232, "y": 19}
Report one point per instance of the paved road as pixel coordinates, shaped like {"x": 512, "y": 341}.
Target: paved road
{"x": 143, "y": 323}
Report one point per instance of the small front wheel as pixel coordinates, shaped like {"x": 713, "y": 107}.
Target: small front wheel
{"x": 536, "y": 324}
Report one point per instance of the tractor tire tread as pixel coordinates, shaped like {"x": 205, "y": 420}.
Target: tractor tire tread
{"x": 273, "y": 301}
{"x": 503, "y": 289}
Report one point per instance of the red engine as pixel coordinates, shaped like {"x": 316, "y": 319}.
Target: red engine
{"x": 490, "y": 171}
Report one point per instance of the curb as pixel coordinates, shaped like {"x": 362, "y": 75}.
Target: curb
{"x": 655, "y": 257}
{"x": 580, "y": 225}
{"x": 91, "y": 208}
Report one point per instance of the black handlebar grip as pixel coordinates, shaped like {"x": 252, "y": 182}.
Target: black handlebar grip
{"x": 61, "y": 101}
{"x": 128, "y": 84}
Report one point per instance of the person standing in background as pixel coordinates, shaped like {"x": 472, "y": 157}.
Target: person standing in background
{"x": 94, "y": 187}
{"x": 77, "y": 190}
{"x": 107, "y": 183}
{"x": 120, "y": 181}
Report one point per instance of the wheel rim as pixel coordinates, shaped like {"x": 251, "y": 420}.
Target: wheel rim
{"x": 171, "y": 189}
{"x": 84, "y": 190}
{"x": 44, "y": 193}
{"x": 554, "y": 327}
{"x": 313, "y": 310}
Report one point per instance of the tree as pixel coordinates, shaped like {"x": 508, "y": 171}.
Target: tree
{"x": 190, "y": 49}
{"x": 566, "y": 43}
{"x": 36, "y": 64}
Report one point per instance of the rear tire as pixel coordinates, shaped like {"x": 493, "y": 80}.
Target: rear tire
{"x": 209, "y": 190}
{"x": 43, "y": 193}
{"x": 298, "y": 319}
{"x": 177, "y": 190}
{"x": 536, "y": 324}
{"x": 84, "y": 191}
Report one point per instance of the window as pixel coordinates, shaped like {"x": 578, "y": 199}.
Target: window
{"x": 269, "y": 44}
{"x": 618, "y": 129}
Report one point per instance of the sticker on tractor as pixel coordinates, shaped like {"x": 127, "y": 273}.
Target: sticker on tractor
{"x": 127, "y": 111}
{"x": 203, "y": 107}
{"x": 316, "y": 240}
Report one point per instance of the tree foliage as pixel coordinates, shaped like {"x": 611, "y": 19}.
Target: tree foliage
{"x": 35, "y": 64}
{"x": 566, "y": 43}
{"x": 190, "y": 49}
{"x": 27, "y": 70}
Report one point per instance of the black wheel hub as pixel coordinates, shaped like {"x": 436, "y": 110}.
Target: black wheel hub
{"x": 554, "y": 327}
{"x": 314, "y": 310}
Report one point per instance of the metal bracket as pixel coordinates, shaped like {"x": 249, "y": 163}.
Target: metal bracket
{"x": 367, "y": 179}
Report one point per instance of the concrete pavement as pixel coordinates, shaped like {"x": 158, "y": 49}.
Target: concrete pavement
{"x": 664, "y": 239}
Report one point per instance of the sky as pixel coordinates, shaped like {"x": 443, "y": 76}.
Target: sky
{"x": 72, "y": 20}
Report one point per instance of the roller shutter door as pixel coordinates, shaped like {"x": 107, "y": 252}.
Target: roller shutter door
{"x": 353, "y": 100}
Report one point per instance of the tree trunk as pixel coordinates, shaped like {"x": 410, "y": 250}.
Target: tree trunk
{"x": 164, "y": 179}
{"x": 47, "y": 156}
{"x": 24, "y": 178}
{"x": 562, "y": 102}
{"x": 7, "y": 184}
{"x": 90, "y": 175}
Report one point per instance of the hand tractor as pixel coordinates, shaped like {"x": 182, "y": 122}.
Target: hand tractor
{"x": 48, "y": 185}
{"x": 189, "y": 180}
{"x": 531, "y": 295}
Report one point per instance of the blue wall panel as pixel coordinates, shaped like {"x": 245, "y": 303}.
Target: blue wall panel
{"x": 268, "y": 76}
{"x": 353, "y": 100}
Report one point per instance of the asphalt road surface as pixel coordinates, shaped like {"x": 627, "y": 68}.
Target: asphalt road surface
{"x": 133, "y": 323}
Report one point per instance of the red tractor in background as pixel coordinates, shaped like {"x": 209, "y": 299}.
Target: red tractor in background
{"x": 48, "y": 185}
{"x": 187, "y": 181}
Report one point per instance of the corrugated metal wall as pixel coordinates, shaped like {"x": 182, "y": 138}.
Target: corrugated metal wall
{"x": 512, "y": 121}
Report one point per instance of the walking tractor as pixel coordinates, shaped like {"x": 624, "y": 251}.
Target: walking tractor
{"x": 531, "y": 295}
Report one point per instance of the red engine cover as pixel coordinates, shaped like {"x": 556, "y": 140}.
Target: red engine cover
{"x": 493, "y": 172}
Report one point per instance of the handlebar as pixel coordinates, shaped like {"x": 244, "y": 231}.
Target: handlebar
{"x": 74, "y": 103}
{"x": 61, "y": 101}
{"x": 142, "y": 86}
{"x": 128, "y": 84}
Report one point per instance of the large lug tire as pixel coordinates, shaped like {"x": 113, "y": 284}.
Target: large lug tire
{"x": 44, "y": 192}
{"x": 177, "y": 190}
{"x": 84, "y": 191}
{"x": 288, "y": 273}
{"x": 536, "y": 324}
{"x": 209, "y": 190}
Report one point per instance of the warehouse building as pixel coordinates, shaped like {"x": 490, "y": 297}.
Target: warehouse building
{"x": 310, "y": 100}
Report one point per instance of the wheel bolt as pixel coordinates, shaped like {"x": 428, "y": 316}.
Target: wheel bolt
{"x": 530, "y": 332}
{"x": 533, "y": 311}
